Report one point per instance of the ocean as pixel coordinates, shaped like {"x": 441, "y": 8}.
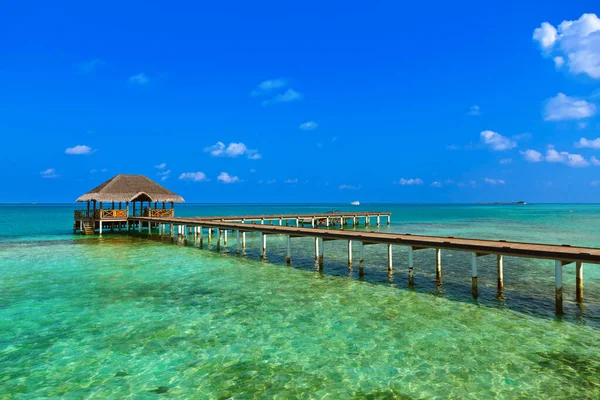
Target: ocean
{"x": 122, "y": 316}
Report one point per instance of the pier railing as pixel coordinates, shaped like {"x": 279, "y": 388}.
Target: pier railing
{"x": 107, "y": 214}
{"x": 159, "y": 213}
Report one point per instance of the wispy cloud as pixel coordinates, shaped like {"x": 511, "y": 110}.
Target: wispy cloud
{"x": 562, "y": 107}
{"x": 408, "y": 182}
{"x": 164, "y": 175}
{"x": 80, "y": 149}
{"x": 96, "y": 170}
{"x": 193, "y": 176}
{"x": 494, "y": 181}
{"x": 49, "y": 173}
{"x": 595, "y": 162}
{"x": 309, "y": 126}
{"x": 232, "y": 150}
{"x": 505, "y": 161}
{"x": 294, "y": 180}
{"x": 269, "y": 86}
{"x": 350, "y": 187}
{"x": 496, "y": 141}
{"x": 436, "y": 184}
{"x": 575, "y": 44}
{"x": 588, "y": 143}
{"x": 140, "y": 79}
{"x": 161, "y": 166}
{"x": 88, "y": 67}
{"x": 474, "y": 111}
{"x": 286, "y": 97}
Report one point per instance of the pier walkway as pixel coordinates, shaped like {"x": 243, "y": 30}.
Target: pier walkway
{"x": 180, "y": 229}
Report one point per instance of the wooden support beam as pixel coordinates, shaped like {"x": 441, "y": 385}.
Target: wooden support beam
{"x": 500, "y": 268}
{"x": 288, "y": 257}
{"x": 579, "y": 282}
{"x": 438, "y": 265}
{"x": 411, "y": 268}
{"x": 349, "y": 253}
{"x": 361, "y": 258}
{"x": 389, "y": 258}
{"x": 558, "y": 290}
{"x": 474, "y": 288}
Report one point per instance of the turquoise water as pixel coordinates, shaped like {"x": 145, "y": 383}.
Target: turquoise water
{"x": 123, "y": 316}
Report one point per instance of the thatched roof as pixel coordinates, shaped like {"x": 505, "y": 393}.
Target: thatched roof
{"x": 129, "y": 187}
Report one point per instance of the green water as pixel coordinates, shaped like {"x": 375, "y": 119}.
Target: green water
{"x": 128, "y": 317}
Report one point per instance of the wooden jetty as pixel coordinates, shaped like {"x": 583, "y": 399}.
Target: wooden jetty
{"x": 162, "y": 221}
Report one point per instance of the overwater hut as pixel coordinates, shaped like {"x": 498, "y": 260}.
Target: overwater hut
{"x": 123, "y": 196}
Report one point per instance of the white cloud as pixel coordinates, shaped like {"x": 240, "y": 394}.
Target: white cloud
{"x": 494, "y": 181}
{"x": 545, "y": 35}
{"x": 139, "y": 79}
{"x": 287, "y": 96}
{"x": 252, "y": 171}
{"x": 349, "y": 187}
{"x": 562, "y": 107}
{"x": 193, "y": 176}
{"x": 268, "y": 86}
{"x": 474, "y": 110}
{"x": 80, "y": 149}
{"x": 572, "y": 160}
{"x": 87, "y": 67}
{"x": 595, "y": 183}
{"x": 559, "y": 61}
{"x": 453, "y": 147}
{"x": 161, "y": 166}
{"x": 532, "y": 155}
{"x": 232, "y": 150}
{"x": 410, "y": 181}
{"x": 588, "y": 143}
{"x": 309, "y": 126}
{"x": 576, "y": 42}
{"x": 226, "y": 178}
{"x": 436, "y": 184}
{"x": 271, "y": 181}
{"x": 505, "y": 161}
{"x": 595, "y": 161}
{"x": 295, "y": 180}
{"x": 50, "y": 173}
{"x": 164, "y": 175}
{"x": 496, "y": 141}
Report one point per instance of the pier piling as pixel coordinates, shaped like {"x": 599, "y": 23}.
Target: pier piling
{"x": 361, "y": 259}
{"x": 500, "y": 267}
{"x": 389, "y": 256}
{"x": 474, "y": 288}
{"x": 558, "y": 290}
{"x": 438, "y": 265}
{"x": 579, "y": 282}
{"x": 288, "y": 258}
{"x": 411, "y": 268}
{"x": 349, "y": 253}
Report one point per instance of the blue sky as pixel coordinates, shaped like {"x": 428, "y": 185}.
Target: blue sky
{"x": 303, "y": 101}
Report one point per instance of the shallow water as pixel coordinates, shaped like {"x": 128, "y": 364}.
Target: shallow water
{"x": 123, "y": 316}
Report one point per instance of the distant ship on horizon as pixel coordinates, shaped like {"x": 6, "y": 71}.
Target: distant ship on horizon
{"x": 355, "y": 203}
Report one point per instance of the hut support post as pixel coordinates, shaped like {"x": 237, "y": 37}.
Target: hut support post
{"x": 100, "y": 226}
{"x": 317, "y": 252}
{"x": 558, "y": 290}
{"x": 218, "y": 237}
{"x": 474, "y": 288}
{"x": 389, "y": 219}
{"x": 201, "y": 237}
{"x": 378, "y": 220}
{"x": 210, "y": 235}
{"x": 225, "y": 237}
{"x": 579, "y": 281}
{"x": 321, "y": 251}
{"x": 237, "y": 241}
{"x": 263, "y": 243}
{"x": 243, "y": 240}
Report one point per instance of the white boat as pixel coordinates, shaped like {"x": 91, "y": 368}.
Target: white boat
{"x": 355, "y": 203}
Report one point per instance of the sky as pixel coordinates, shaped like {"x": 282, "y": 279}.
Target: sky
{"x": 312, "y": 101}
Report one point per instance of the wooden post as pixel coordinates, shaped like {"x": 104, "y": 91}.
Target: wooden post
{"x": 243, "y": 240}
{"x": 237, "y": 240}
{"x": 263, "y": 245}
{"x": 326, "y": 222}
{"x": 288, "y": 258}
{"x": 349, "y": 253}
{"x": 411, "y": 268}
{"x": 149, "y": 228}
{"x": 438, "y": 265}
{"x": 297, "y": 221}
{"x": 389, "y": 251}
{"x": 210, "y": 235}
{"x": 378, "y": 220}
{"x": 321, "y": 248}
{"x": 262, "y": 221}
{"x": 280, "y": 221}
{"x": 474, "y": 290}
{"x": 100, "y": 231}
{"x": 389, "y": 219}
{"x": 225, "y": 237}
{"x": 558, "y": 291}
{"x": 579, "y": 282}
{"x": 201, "y": 237}
{"x": 367, "y": 220}
{"x": 317, "y": 251}
{"x": 342, "y": 222}
{"x": 312, "y": 222}
{"x": 361, "y": 258}
{"x": 500, "y": 264}
{"x": 218, "y": 237}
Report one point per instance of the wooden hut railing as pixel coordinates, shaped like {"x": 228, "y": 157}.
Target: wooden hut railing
{"x": 106, "y": 214}
{"x": 80, "y": 214}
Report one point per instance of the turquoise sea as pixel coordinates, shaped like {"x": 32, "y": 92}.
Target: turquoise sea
{"x": 126, "y": 317}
